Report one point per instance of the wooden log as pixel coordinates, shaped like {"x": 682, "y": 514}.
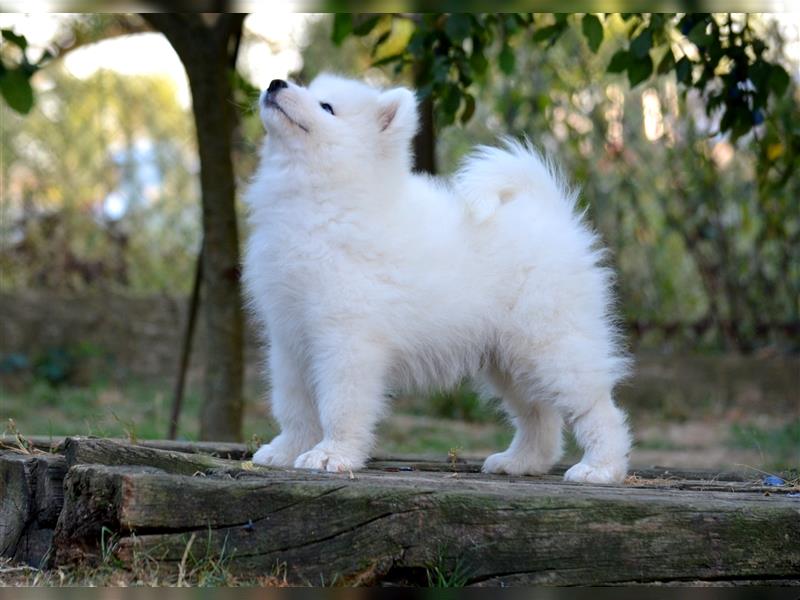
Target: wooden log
{"x": 228, "y": 450}
{"x": 31, "y": 499}
{"x": 78, "y": 450}
{"x": 112, "y": 452}
{"x": 394, "y": 526}
{"x": 172, "y": 457}
{"x": 684, "y": 478}
{"x": 18, "y": 483}
{"x": 399, "y": 519}
{"x": 50, "y": 472}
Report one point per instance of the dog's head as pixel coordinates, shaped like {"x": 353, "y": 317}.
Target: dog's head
{"x": 335, "y": 117}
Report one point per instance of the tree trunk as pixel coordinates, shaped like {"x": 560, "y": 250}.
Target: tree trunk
{"x": 425, "y": 140}
{"x": 204, "y": 46}
{"x": 221, "y": 417}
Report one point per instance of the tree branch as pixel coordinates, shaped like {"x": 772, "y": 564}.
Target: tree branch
{"x": 227, "y": 25}
{"x": 177, "y": 28}
{"x": 86, "y": 34}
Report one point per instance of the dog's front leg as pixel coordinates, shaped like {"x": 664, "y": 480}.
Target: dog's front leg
{"x": 349, "y": 380}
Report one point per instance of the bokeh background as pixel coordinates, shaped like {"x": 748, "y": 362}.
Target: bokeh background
{"x": 689, "y": 172}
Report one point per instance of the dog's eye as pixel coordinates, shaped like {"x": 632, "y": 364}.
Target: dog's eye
{"x": 327, "y": 107}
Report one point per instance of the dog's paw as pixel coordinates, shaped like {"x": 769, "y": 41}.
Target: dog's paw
{"x": 514, "y": 464}
{"x": 587, "y": 473}
{"x": 280, "y": 452}
{"x": 324, "y": 459}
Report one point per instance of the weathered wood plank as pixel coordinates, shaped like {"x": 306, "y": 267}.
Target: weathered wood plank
{"x": 172, "y": 458}
{"x": 233, "y": 451}
{"x": 31, "y": 497}
{"x": 92, "y": 496}
{"x": 113, "y": 452}
{"x": 496, "y": 530}
{"x": 17, "y": 504}
{"x": 50, "y": 472}
{"x": 55, "y": 444}
{"x": 78, "y": 450}
{"x": 398, "y": 518}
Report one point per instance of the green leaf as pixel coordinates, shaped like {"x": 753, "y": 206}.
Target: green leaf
{"x": 17, "y": 91}
{"x": 17, "y": 40}
{"x": 778, "y": 80}
{"x": 342, "y": 27}
{"x": 382, "y": 38}
{"x": 417, "y": 43}
{"x": 640, "y": 46}
{"x": 545, "y": 33}
{"x": 640, "y": 70}
{"x": 458, "y": 27}
{"x": 698, "y": 35}
{"x": 424, "y": 91}
{"x": 738, "y": 120}
{"x": 667, "y": 62}
{"x": 759, "y": 73}
{"x": 451, "y": 99}
{"x": 619, "y": 62}
{"x": 683, "y": 71}
{"x": 440, "y": 70}
{"x": 365, "y": 26}
{"x": 511, "y": 24}
{"x": 593, "y": 31}
{"x": 543, "y": 101}
{"x": 469, "y": 108}
{"x": 478, "y": 62}
{"x": 388, "y": 59}
{"x": 507, "y": 59}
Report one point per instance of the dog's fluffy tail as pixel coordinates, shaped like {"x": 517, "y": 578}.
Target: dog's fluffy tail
{"x": 490, "y": 177}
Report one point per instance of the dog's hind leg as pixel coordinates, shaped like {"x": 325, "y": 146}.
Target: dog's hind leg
{"x": 537, "y": 443}
{"x": 579, "y": 376}
{"x": 602, "y": 432}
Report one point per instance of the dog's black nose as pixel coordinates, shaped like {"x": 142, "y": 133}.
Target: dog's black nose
{"x": 276, "y": 84}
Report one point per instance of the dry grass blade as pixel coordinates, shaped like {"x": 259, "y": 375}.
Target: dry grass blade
{"x": 182, "y": 567}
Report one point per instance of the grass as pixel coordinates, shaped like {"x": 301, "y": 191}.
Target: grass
{"x": 135, "y": 408}
{"x": 199, "y": 567}
{"x": 139, "y": 409}
{"x": 779, "y": 446}
{"x": 440, "y": 576}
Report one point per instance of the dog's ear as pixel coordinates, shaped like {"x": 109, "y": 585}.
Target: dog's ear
{"x": 397, "y": 114}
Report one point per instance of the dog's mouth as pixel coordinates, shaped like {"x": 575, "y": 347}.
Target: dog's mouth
{"x": 269, "y": 102}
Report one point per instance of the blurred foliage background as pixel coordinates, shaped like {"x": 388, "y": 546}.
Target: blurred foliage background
{"x": 683, "y": 133}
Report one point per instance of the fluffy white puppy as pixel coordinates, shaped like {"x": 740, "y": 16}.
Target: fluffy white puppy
{"x": 369, "y": 278}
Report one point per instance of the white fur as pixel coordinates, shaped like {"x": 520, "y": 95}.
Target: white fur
{"x": 369, "y": 278}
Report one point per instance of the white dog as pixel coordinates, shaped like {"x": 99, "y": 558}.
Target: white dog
{"x": 369, "y": 278}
